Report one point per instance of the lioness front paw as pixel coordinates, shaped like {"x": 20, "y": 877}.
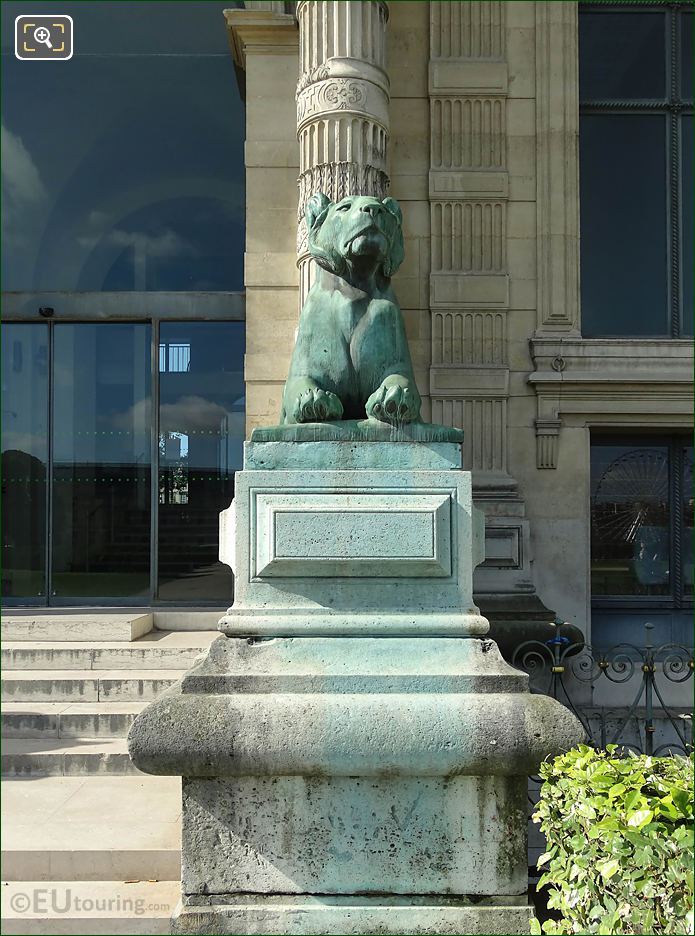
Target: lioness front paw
{"x": 395, "y": 401}
{"x": 316, "y": 405}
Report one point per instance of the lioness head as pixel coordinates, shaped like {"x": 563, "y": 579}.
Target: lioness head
{"x": 357, "y": 230}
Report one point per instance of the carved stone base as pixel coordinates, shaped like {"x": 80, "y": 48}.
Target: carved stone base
{"x": 353, "y": 915}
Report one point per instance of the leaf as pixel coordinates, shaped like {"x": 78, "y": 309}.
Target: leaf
{"x": 632, "y": 799}
{"x": 608, "y": 868}
{"x": 640, "y": 818}
{"x": 544, "y": 858}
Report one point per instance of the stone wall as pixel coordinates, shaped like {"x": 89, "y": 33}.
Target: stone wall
{"x": 483, "y": 158}
{"x": 265, "y": 48}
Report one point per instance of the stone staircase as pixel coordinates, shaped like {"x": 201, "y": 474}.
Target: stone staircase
{"x": 72, "y": 685}
{"x": 89, "y": 844}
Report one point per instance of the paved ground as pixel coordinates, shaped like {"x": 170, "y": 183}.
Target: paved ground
{"x": 97, "y": 828}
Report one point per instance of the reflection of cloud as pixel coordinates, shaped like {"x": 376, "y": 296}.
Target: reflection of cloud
{"x": 188, "y": 414}
{"x": 166, "y": 244}
{"x": 25, "y": 442}
{"x": 20, "y": 177}
{"x": 22, "y": 188}
{"x": 135, "y": 417}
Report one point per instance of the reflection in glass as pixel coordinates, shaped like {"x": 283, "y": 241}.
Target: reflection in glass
{"x": 687, "y": 520}
{"x": 630, "y": 514}
{"x": 24, "y": 459}
{"x": 101, "y": 460}
{"x": 687, "y": 56}
{"x": 623, "y": 225}
{"x": 687, "y": 202}
{"x": 201, "y": 433}
{"x": 622, "y": 55}
{"x": 142, "y": 185}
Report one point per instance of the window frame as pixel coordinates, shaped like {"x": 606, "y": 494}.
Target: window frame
{"x": 111, "y": 307}
{"x": 677, "y": 600}
{"x": 672, "y": 107}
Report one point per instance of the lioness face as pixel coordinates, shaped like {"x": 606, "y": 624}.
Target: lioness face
{"x": 359, "y": 227}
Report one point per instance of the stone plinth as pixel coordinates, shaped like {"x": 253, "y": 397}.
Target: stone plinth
{"x": 354, "y": 751}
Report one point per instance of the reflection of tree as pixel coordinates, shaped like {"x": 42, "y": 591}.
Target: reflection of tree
{"x": 173, "y": 478}
{"x": 24, "y": 513}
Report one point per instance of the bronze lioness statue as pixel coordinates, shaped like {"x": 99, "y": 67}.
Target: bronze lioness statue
{"x": 351, "y": 357}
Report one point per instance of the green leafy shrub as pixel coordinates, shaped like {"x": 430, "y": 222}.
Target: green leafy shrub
{"x": 620, "y": 843}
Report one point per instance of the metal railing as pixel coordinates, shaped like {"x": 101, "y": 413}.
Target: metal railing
{"x": 575, "y": 675}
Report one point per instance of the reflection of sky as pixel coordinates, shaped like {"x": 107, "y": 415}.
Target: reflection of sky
{"x": 123, "y": 168}
{"x": 205, "y": 403}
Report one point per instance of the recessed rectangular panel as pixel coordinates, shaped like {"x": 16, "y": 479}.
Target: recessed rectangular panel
{"x": 365, "y": 535}
{"x": 469, "y": 290}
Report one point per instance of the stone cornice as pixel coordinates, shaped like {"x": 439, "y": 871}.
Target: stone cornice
{"x": 609, "y": 381}
{"x": 603, "y": 361}
{"x": 254, "y": 31}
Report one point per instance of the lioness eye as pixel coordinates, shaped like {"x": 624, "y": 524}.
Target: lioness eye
{"x": 343, "y": 207}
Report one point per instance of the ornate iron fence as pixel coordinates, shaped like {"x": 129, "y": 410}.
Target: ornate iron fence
{"x": 642, "y": 718}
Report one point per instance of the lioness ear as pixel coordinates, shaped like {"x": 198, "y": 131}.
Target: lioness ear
{"x": 394, "y": 208}
{"x": 396, "y": 250}
{"x": 315, "y": 208}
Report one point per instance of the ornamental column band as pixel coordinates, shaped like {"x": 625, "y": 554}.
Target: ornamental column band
{"x": 342, "y": 107}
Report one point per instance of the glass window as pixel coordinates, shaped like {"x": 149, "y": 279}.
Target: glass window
{"x": 635, "y": 173}
{"x": 101, "y": 460}
{"x": 641, "y": 519}
{"x": 688, "y": 247}
{"x": 686, "y": 511}
{"x": 624, "y": 263}
{"x": 630, "y": 553}
{"x": 687, "y": 55}
{"x": 623, "y": 55}
{"x": 201, "y": 432}
{"x": 24, "y": 459}
{"x": 122, "y": 169}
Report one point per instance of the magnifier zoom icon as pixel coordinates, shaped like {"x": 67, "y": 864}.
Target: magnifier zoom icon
{"x": 43, "y": 35}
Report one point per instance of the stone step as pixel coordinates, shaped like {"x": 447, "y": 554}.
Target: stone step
{"x": 87, "y": 685}
{"x": 96, "y": 828}
{"x": 68, "y": 720}
{"x": 89, "y": 907}
{"x": 53, "y": 626}
{"x": 66, "y": 757}
{"x": 156, "y": 650}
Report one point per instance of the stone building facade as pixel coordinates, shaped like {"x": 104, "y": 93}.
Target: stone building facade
{"x": 468, "y": 113}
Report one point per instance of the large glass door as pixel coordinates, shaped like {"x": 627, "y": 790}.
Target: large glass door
{"x": 24, "y": 461}
{"x": 101, "y": 465}
{"x": 201, "y": 432}
{"x": 108, "y": 497}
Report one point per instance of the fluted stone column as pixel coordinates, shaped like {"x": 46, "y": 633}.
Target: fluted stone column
{"x": 342, "y": 106}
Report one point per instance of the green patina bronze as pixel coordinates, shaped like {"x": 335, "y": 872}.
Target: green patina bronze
{"x": 351, "y": 364}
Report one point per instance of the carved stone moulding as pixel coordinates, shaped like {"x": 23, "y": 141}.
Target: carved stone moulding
{"x": 343, "y": 138}
{"x": 344, "y": 68}
{"x": 469, "y": 236}
{"x": 336, "y": 96}
{"x": 468, "y": 337}
{"x": 467, "y": 30}
{"x": 341, "y": 30}
{"x": 547, "y": 434}
{"x": 468, "y": 132}
{"x": 484, "y": 422}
